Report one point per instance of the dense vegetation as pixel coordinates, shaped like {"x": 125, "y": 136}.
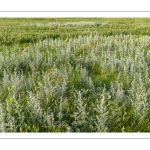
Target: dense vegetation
{"x": 74, "y": 75}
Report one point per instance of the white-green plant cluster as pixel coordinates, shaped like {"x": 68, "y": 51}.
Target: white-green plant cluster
{"x": 69, "y": 24}
{"x": 92, "y": 83}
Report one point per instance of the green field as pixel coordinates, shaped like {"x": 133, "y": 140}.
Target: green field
{"x": 74, "y": 74}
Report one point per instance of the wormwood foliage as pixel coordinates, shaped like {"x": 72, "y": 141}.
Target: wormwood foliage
{"x": 74, "y": 75}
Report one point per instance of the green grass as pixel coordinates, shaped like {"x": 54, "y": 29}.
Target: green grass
{"x": 74, "y": 75}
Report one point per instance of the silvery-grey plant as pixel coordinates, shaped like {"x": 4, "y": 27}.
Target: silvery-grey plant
{"x": 101, "y": 116}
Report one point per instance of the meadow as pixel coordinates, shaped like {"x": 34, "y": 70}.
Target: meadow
{"x": 74, "y": 74}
